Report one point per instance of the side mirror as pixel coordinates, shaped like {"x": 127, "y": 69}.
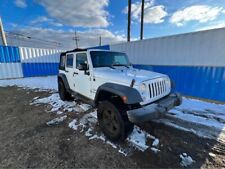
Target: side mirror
{"x": 83, "y": 66}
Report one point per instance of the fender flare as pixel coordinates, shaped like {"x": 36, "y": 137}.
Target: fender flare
{"x": 64, "y": 79}
{"x": 133, "y": 96}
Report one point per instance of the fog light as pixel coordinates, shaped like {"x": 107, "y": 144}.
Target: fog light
{"x": 144, "y": 98}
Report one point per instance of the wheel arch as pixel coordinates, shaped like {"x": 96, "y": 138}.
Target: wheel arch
{"x": 63, "y": 78}
{"x": 110, "y": 89}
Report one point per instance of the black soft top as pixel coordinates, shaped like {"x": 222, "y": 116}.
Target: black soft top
{"x": 74, "y": 50}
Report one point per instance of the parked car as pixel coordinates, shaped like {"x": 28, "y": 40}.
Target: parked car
{"x": 122, "y": 94}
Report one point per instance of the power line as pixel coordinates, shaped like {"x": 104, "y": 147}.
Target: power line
{"x": 27, "y": 37}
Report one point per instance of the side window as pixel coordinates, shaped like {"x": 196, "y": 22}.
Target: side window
{"x": 81, "y": 58}
{"x": 62, "y": 62}
{"x": 69, "y": 60}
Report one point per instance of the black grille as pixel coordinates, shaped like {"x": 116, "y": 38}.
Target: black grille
{"x": 157, "y": 88}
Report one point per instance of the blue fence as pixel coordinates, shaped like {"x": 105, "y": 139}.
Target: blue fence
{"x": 204, "y": 82}
{"x": 9, "y": 54}
{"x": 39, "y": 69}
{"x": 14, "y": 64}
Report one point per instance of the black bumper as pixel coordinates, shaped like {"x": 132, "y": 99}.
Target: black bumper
{"x": 153, "y": 111}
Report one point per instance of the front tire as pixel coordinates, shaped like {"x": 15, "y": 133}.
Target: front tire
{"x": 114, "y": 121}
{"x": 63, "y": 94}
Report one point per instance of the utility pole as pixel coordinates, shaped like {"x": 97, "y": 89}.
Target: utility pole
{"x": 76, "y": 39}
{"x": 142, "y": 18}
{"x": 4, "y": 42}
{"x": 128, "y": 25}
{"x": 100, "y": 41}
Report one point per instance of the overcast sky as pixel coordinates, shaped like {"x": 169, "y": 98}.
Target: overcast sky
{"x": 52, "y": 22}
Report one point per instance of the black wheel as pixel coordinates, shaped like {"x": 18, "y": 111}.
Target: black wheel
{"x": 114, "y": 121}
{"x": 63, "y": 94}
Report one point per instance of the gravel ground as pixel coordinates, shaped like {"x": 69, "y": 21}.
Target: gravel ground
{"x": 27, "y": 142}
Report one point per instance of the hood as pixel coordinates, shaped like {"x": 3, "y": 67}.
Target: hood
{"x": 125, "y": 75}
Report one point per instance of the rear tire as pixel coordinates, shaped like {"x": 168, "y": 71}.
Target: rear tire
{"x": 63, "y": 94}
{"x": 114, "y": 121}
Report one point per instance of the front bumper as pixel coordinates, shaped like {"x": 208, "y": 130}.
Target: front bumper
{"x": 154, "y": 110}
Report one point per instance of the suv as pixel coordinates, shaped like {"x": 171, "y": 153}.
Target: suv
{"x": 122, "y": 94}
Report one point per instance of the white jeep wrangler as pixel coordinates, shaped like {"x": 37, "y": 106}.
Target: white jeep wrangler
{"x": 122, "y": 94}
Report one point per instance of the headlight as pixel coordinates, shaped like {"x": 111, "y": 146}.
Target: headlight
{"x": 143, "y": 87}
{"x": 168, "y": 81}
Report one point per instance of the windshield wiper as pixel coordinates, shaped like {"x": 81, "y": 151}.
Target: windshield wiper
{"x": 120, "y": 65}
{"x": 111, "y": 66}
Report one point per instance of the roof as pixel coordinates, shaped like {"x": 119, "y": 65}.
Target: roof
{"x": 74, "y": 50}
{"x": 83, "y": 50}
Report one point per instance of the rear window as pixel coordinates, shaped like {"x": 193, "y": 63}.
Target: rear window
{"x": 62, "y": 62}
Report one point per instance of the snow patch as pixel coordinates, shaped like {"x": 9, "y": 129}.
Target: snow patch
{"x": 56, "y": 120}
{"x": 155, "y": 142}
{"x": 202, "y": 118}
{"x": 138, "y": 138}
{"x": 186, "y": 160}
{"x": 123, "y": 152}
{"x": 40, "y": 83}
{"x": 59, "y": 112}
{"x": 73, "y": 124}
{"x": 57, "y": 104}
{"x": 212, "y": 155}
{"x": 89, "y": 119}
{"x": 196, "y": 132}
{"x": 86, "y": 125}
{"x": 88, "y": 133}
{"x": 198, "y": 105}
{"x": 112, "y": 144}
{"x": 101, "y": 137}
{"x": 199, "y": 112}
{"x": 155, "y": 150}
{"x": 85, "y": 107}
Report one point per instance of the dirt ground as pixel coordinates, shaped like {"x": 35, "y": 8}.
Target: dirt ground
{"x": 27, "y": 142}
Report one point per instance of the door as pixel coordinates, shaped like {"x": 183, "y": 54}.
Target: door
{"x": 69, "y": 70}
{"x": 82, "y": 78}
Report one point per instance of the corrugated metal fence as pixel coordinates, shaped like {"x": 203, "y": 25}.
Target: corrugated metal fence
{"x": 195, "y": 61}
{"x": 39, "y": 62}
{"x": 10, "y": 66}
{"x": 17, "y": 62}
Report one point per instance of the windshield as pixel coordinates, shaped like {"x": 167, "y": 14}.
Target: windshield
{"x": 108, "y": 59}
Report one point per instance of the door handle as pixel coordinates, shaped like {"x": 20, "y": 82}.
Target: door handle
{"x": 66, "y": 71}
{"x": 75, "y": 73}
